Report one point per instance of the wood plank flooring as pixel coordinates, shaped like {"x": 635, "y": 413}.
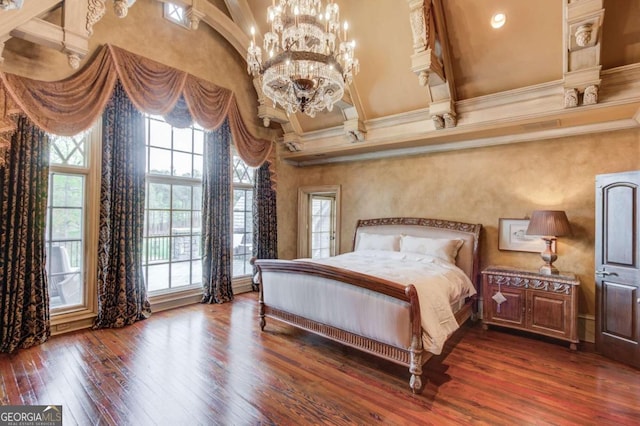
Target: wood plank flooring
{"x": 211, "y": 365}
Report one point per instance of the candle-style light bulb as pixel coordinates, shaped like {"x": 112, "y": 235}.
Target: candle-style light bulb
{"x": 345, "y": 27}
{"x": 253, "y": 34}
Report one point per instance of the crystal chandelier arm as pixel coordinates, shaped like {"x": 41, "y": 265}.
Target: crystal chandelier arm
{"x": 308, "y": 63}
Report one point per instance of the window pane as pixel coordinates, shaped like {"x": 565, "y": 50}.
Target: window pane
{"x": 242, "y": 231}
{"x": 157, "y": 223}
{"x": 172, "y": 221}
{"x": 159, "y": 196}
{"x": 182, "y": 164}
{"x": 158, "y": 250}
{"x": 182, "y": 139}
{"x": 157, "y": 277}
{"x": 66, "y": 223}
{"x": 180, "y": 274}
{"x": 68, "y": 150}
{"x": 159, "y": 161}
{"x": 181, "y": 223}
{"x": 241, "y": 172}
{"x": 181, "y": 197}
{"x": 196, "y": 222}
{"x": 197, "y": 197}
{"x": 159, "y": 134}
{"x": 197, "y": 166}
{"x": 196, "y": 272}
{"x": 64, "y": 240}
{"x": 198, "y": 141}
{"x": 68, "y": 190}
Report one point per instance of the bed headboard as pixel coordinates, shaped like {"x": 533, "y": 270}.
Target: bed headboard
{"x": 468, "y": 256}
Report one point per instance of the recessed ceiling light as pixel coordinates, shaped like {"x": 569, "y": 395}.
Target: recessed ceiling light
{"x": 498, "y": 20}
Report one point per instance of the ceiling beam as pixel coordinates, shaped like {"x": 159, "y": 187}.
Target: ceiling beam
{"x": 30, "y": 9}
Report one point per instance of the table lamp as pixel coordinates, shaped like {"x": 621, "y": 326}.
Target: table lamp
{"x": 549, "y": 224}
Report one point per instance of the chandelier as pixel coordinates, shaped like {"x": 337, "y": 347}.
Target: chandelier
{"x": 309, "y": 59}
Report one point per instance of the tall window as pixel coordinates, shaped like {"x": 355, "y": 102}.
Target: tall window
{"x": 243, "y": 177}
{"x": 172, "y": 232}
{"x": 65, "y": 229}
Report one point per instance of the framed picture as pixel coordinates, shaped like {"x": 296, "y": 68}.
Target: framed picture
{"x": 512, "y": 235}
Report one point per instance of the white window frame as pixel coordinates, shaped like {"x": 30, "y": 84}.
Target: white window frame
{"x": 82, "y": 316}
{"x": 166, "y": 295}
{"x": 241, "y": 283}
{"x": 304, "y": 197}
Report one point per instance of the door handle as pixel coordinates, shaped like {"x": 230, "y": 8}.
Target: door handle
{"x": 604, "y": 273}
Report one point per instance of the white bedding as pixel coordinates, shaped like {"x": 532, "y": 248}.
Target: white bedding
{"x": 439, "y": 285}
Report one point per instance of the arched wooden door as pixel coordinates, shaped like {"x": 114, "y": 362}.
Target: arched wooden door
{"x": 618, "y": 267}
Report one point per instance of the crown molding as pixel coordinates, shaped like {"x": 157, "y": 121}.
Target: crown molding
{"x": 524, "y": 114}
{"x": 474, "y": 143}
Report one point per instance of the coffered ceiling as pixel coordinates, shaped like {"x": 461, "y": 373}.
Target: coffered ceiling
{"x": 516, "y": 83}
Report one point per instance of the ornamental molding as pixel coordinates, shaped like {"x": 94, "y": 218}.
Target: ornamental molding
{"x": 516, "y": 281}
{"x": 429, "y": 223}
{"x": 419, "y": 18}
{"x": 95, "y": 13}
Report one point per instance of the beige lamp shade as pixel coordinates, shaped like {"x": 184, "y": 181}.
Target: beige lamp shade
{"x": 552, "y": 223}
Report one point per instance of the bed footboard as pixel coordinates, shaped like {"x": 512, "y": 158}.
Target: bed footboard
{"x": 395, "y": 307}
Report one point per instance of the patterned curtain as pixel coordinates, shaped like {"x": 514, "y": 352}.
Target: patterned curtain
{"x": 265, "y": 220}
{"x": 24, "y": 296}
{"x": 216, "y": 216}
{"x": 122, "y": 294}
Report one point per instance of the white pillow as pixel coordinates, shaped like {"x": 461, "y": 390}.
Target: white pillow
{"x": 441, "y": 248}
{"x": 368, "y": 241}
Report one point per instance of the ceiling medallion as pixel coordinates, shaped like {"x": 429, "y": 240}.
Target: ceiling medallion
{"x": 309, "y": 59}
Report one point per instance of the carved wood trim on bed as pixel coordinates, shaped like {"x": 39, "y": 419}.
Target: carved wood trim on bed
{"x": 413, "y": 356}
{"x": 468, "y": 228}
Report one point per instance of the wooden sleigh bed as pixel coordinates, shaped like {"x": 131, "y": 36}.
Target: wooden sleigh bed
{"x": 376, "y": 315}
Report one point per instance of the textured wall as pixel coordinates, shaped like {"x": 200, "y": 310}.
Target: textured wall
{"x": 203, "y": 53}
{"x": 478, "y": 186}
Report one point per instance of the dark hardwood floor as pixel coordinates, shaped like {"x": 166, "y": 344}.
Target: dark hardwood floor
{"x": 211, "y": 364}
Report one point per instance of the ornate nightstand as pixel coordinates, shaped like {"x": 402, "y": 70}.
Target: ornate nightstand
{"x": 530, "y": 301}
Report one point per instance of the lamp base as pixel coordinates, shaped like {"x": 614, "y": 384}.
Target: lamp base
{"x": 549, "y": 257}
{"x": 549, "y": 270}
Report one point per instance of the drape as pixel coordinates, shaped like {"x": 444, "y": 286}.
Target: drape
{"x": 70, "y": 106}
{"x": 24, "y": 296}
{"x": 265, "y": 220}
{"x": 216, "y": 216}
{"x": 122, "y": 294}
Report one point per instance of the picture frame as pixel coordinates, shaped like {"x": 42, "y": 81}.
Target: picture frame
{"x": 512, "y": 237}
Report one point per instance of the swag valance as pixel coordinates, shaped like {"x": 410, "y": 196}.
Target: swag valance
{"x": 70, "y": 106}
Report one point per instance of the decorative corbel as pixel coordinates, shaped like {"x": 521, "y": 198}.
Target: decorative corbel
{"x": 194, "y": 17}
{"x": 95, "y": 13}
{"x": 292, "y": 142}
{"x": 582, "y": 42}
{"x": 355, "y": 130}
{"x": 590, "y": 96}
{"x": 570, "y": 98}
{"x": 74, "y": 60}
{"x": 121, "y": 7}
{"x": 431, "y": 58}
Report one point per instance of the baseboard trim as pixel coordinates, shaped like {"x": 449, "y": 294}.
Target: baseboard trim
{"x": 587, "y": 328}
